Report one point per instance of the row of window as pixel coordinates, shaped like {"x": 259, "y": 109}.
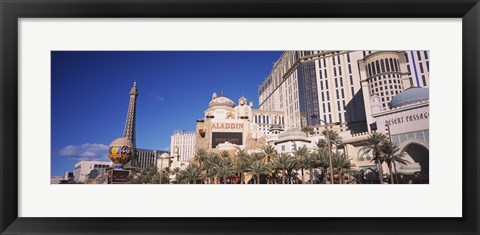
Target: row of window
{"x": 382, "y": 66}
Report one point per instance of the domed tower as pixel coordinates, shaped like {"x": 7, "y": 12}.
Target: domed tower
{"x": 383, "y": 75}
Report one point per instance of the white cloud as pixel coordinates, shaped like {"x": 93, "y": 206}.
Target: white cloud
{"x": 85, "y": 152}
{"x": 155, "y": 97}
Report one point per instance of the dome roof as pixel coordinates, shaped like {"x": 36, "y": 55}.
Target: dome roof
{"x": 410, "y": 96}
{"x": 221, "y": 101}
{"x": 122, "y": 142}
{"x": 292, "y": 135}
{"x": 164, "y": 156}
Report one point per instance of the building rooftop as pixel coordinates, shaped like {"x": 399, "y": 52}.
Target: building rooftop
{"x": 410, "y": 96}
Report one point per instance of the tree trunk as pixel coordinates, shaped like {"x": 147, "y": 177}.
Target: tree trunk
{"x": 311, "y": 175}
{"x": 283, "y": 176}
{"x": 303, "y": 177}
{"x": 258, "y": 179}
{"x": 391, "y": 173}
{"x": 380, "y": 171}
{"x": 396, "y": 175}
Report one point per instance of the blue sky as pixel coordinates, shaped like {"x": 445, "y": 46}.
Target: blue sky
{"x": 90, "y": 95}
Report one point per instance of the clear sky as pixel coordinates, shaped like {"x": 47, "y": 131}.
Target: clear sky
{"x": 90, "y": 94}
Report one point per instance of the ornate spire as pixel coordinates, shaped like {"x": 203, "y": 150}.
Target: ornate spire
{"x": 129, "y": 131}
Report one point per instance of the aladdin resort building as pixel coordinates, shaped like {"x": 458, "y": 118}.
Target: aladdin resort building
{"x": 356, "y": 93}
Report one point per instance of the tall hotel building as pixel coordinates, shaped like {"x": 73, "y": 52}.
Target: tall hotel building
{"x": 184, "y": 141}
{"x": 338, "y": 86}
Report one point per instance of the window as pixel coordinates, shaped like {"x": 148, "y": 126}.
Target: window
{"x": 419, "y": 56}
{"x": 428, "y": 66}
{"x": 325, "y": 73}
{"x": 334, "y": 71}
{"x": 328, "y": 107}
{"x": 388, "y": 65}
{"x": 323, "y": 97}
{"x": 421, "y": 67}
{"x": 333, "y": 60}
{"x": 406, "y": 57}
{"x": 338, "y": 59}
{"x": 425, "y": 54}
{"x": 348, "y": 57}
{"x": 338, "y": 97}
{"x": 340, "y": 70}
{"x": 397, "y": 64}
{"x": 324, "y": 62}
{"x": 391, "y": 65}
{"x": 373, "y": 68}
{"x": 321, "y": 75}
{"x": 408, "y": 69}
{"x": 369, "y": 70}
{"x": 338, "y": 106}
{"x": 424, "y": 80}
{"x": 328, "y": 96}
{"x": 382, "y": 63}
{"x": 336, "y": 83}
{"x": 351, "y": 80}
{"x": 353, "y": 91}
{"x": 326, "y": 84}
{"x": 411, "y": 81}
{"x": 378, "y": 66}
{"x": 341, "y": 82}
{"x": 349, "y": 68}
{"x": 321, "y": 85}
{"x": 323, "y": 107}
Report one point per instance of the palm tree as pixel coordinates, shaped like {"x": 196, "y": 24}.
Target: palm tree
{"x": 211, "y": 166}
{"x": 225, "y": 169}
{"x": 258, "y": 168}
{"x": 342, "y": 163}
{"x": 301, "y": 154}
{"x": 224, "y": 154}
{"x": 192, "y": 173}
{"x": 200, "y": 157}
{"x": 167, "y": 171}
{"x": 242, "y": 167}
{"x": 282, "y": 162}
{"x": 242, "y": 159}
{"x": 322, "y": 161}
{"x": 374, "y": 144}
{"x": 270, "y": 153}
{"x": 176, "y": 170}
{"x": 392, "y": 154}
{"x": 321, "y": 144}
{"x": 308, "y": 130}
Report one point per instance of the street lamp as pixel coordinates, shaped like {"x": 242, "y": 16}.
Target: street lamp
{"x": 314, "y": 116}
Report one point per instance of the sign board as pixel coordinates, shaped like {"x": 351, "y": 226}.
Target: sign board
{"x": 222, "y": 137}
{"x": 118, "y": 176}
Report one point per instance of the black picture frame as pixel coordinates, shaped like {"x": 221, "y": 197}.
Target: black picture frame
{"x": 12, "y": 10}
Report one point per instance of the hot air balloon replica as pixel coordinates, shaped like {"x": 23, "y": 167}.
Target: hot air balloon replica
{"x": 120, "y": 152}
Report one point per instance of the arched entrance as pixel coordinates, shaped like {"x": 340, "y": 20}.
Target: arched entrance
{"x": 417, "y": 154}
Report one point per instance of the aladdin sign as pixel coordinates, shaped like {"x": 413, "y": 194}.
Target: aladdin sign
{"x": 407, "y": 118}
{"x": 227, "y": 126}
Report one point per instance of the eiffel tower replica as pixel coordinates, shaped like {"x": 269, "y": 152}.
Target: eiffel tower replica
{"x": 129, "y": 131}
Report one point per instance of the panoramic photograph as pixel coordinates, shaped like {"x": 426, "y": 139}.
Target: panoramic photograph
{"x": 240, "y": 117}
